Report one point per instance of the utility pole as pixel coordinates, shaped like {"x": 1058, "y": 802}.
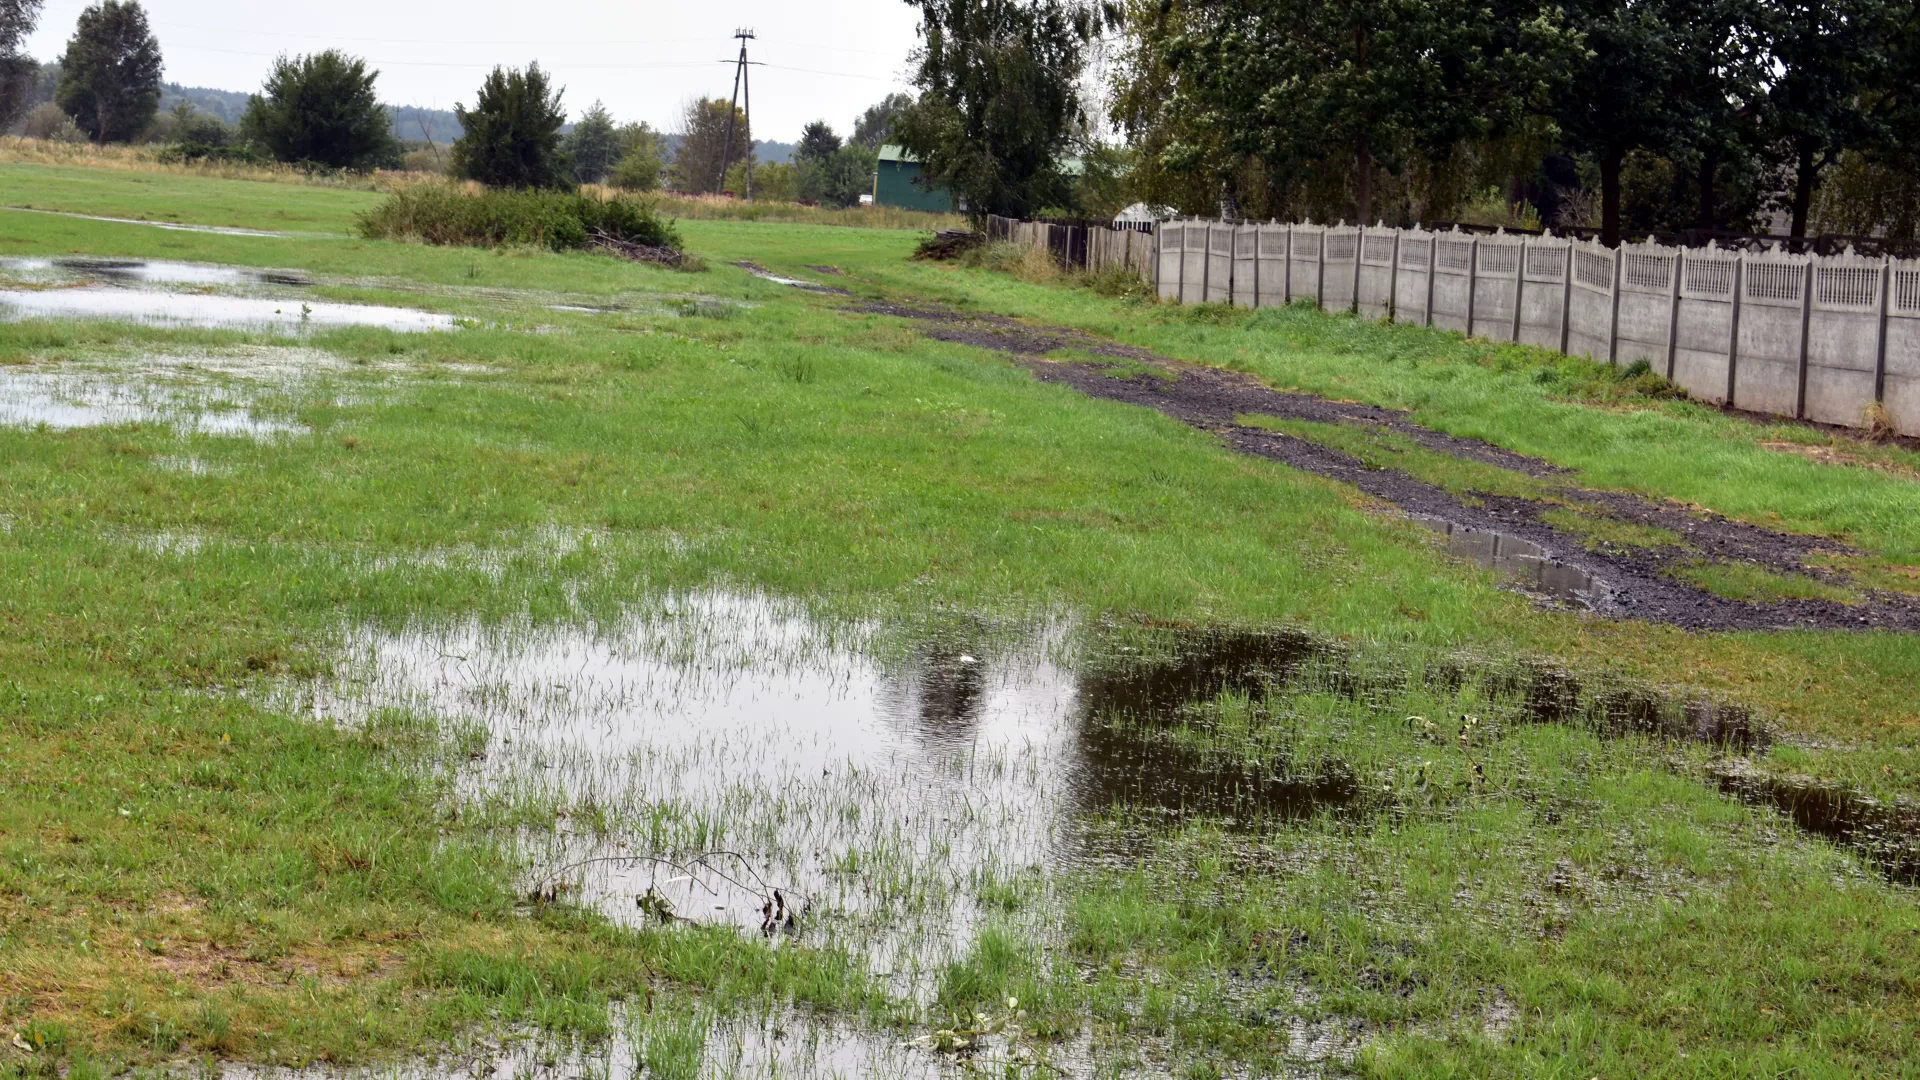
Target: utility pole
{"x": 733, "y": 109}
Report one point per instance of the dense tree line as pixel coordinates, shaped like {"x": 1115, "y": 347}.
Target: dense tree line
{"x": 1629, "y": 115}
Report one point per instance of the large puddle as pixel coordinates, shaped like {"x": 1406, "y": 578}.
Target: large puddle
{"x": 210, "y": 310}
{"x": 725, "y": 760}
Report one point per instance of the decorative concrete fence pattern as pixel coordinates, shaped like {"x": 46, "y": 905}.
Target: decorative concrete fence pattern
{"x": 1815, "y": 337}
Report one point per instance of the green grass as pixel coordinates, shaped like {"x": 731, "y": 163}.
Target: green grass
{"x": 186, "y": 869}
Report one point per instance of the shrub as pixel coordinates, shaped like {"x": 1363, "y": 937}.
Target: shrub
{"x": 436, "y": 213}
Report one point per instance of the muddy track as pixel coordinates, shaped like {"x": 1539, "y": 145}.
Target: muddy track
{"x": 1638, "y": 583}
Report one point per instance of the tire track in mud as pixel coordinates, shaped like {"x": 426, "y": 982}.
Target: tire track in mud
{"x": 1638, "y": 582}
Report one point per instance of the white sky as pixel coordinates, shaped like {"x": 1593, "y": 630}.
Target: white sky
{"x": 825, "y": 58}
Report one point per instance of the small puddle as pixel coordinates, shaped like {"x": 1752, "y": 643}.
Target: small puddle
{"x": 765, "y": 274}
{"x": 208, "y": 310}
{"x": 1519, "y": 561}
{"x": 1887, "y": 835}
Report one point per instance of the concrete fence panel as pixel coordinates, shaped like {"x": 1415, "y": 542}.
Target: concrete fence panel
{"x": 1590, "y": 302}
{"x": 1309, "y": 242}
{"x": 1171, "y": 237}
{"x": 1412, "y": 276}
{"x": 1343, "y": 262}
{"x": 1773, "y": 300}
{"x": 1246, "y": 266}
{"x": 1496, "y": 288}
{"x": 1193, "y": 264}
{"x": 1219, "y": 264}
{"x": 1543, "y": 293}
{"x": 1453, "y": 282}
{"x": 1643, "y": 316}
{"x": 1903, "y": 346}
{"x": 1843, "y": 338}
{"x": 1270, "y": 253}
{"x": 1703, "y": 324}
{"x": 1376, "y": 297}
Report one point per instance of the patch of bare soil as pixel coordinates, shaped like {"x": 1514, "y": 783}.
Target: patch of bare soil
{"x": 1637, "y": 581}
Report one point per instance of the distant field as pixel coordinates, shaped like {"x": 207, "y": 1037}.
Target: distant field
{"x": 329, "y": 656}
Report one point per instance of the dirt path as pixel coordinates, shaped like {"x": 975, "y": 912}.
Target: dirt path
{"x": 1637, "y": 582}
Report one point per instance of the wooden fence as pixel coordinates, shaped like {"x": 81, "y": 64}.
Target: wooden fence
{"x": 1083, "y": 245}
{"x": 1814, "y": 337}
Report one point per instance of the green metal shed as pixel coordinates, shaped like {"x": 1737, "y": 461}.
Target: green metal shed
{"x": 895, "y": 184}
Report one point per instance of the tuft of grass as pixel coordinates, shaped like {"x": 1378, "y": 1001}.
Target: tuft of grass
{"x": 1744, "y": 581}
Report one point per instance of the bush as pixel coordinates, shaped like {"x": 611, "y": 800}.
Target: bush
{"x": 436, "y": 213}
{"x": 51, "y": 122}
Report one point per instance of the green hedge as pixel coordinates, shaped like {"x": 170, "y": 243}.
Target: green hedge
{"x": 446, "y": 214}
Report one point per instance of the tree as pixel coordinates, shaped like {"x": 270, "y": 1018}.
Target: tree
{"x": 873, "y": 127}
{"x": 593, "y": 145}
{"x": 838, "y": 179}
{"x": 1829, "y": 60}
{"x": 512, "y": 133}
{"x": 110, "y": 73}
{"x": 999, "y": 103}
{"x": 321, "y": 109}
{"x": 19, "y": 73}
{"x": 703, "y": 141}
{"x": 1305, "y": 84}
{"x": 642, "y": 158}
{"x": 817, "y": 142}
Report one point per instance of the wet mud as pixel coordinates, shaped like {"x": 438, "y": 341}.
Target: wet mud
{"x": 1619, "y": 581}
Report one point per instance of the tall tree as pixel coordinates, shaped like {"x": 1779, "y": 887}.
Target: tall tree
{"x": 999, "y": 104}
{"x": 872, "y": 127}
{"x": 110, "y": 73}
{"x": 322, "y": 109}
{"x": 19, "y": 73}
{"x": 1829, "y": 59}
{"x": 642, "y": 158}
{"x": 1367, "y": 82}
{"x": 593, "y": 145}
{"x": 817, "y": 142}
{"x": 703, "y": 142}
{"x": 512, "y": 133}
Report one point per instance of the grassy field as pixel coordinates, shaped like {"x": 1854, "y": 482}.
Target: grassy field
{"x": 192, "y": 869}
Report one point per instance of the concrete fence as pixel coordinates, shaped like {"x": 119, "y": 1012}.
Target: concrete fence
{"x": 1813, "y": 337}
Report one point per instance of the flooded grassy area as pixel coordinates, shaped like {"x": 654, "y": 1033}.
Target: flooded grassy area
{"x": 605, "y": 670}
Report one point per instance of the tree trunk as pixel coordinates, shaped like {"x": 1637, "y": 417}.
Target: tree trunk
{"x": 1806, "y": 176}
{"x": 1610, "y": 197}
{"x": 1708, "y": 212}
{"x": 1363, "y": 186}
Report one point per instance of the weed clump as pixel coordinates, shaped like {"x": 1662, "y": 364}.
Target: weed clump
{"x": 458, "y": 215}
{"x": 1640, "y": 378}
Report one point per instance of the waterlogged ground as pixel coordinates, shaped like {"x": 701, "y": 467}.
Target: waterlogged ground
{"x": 446, "y": 663}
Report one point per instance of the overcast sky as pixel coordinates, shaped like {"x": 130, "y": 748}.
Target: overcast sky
{"x": 825, "y": 58}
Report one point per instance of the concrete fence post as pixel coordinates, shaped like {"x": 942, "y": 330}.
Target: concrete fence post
{"x": 1393, "y": 281}
{"x": 1880, "y": 346}
{"x": 1733, "y": 324}
{"x": 1613, "y": 320}
{"x": 1473, "y": 280}
{"x": 1206, "y": 264}
{"x": 1286, "y": 273}
{"x": 1433, "y": 256}
{"x": 1359, "y": 260}
{"x": 1566, "y": 301}
{"x": 1320, "y": 273}
{"x": 1673, "y": 314}
{"x": 1806, "y": 330}
{"x": 1519, "y": 287}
